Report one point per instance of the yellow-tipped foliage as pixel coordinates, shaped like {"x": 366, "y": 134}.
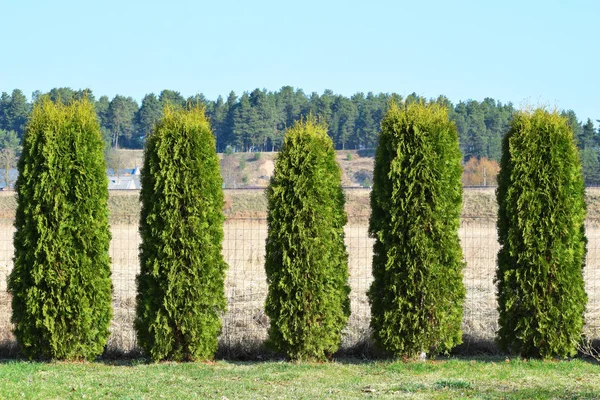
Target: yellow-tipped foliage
{"x": 541, "y": 214}
{"x": 181, "y": 283}
{"x": 60, "y": 283}
{"x": 417, "y": 293}
{"x": 306, "y": 259}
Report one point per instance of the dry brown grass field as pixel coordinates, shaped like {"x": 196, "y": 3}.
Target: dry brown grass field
{"x": 246, "y": 169}
{"x": 245, "y": 324}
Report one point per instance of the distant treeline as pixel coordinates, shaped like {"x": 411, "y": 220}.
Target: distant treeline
{"x": 256, "y": 121}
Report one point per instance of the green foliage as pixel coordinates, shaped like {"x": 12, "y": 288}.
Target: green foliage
{"x": 150, "y": 111}
{"x": 245, "y": 124}
{"x": 588, "y": 141}
{"x": 482, "y": 377}
{"x": 590, "y": 165}
{"x": 306, "y": 259}
{"x": 66, "y": 95}
{"x": 17, "y": 112}
{"x": 171, "y": 99}
{"x": 541, "y": 296}
{"x": 348, "y": 156}
{"x": 242, "y": 163}
{"x": 343, "y": 122}
{"x": 417, "y": 293}
{"x": 121, "y": 119}
{"x": 257, "y": 156}
{"x": 60, "y": 283}
{"x": 256, "y": 121}
{"x": 9, "y": 141}
{"x": 181, "y": 283}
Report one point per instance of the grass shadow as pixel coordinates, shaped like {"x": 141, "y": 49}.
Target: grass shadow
{"x": 476, "y": 346}
{"x": 9, "y": 349}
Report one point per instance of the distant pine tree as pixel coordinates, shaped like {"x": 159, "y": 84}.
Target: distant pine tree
{"x": 60, "y": 283}
{"x": 306, "y": 259}
{"x": 417, "y": 294}
{"x": 541, "y": 295}
{"x": 181, "y": 283}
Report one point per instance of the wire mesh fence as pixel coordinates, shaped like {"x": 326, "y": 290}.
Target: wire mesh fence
{"x": 6, "y": 254}
{"x": 245, "y": 324}
{"x": 591, "y": 275}
{"x": 478, "y": 237}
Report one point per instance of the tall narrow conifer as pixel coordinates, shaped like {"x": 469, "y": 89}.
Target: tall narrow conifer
{"x": 541, "y": 295}
{"x": 417, "y": 293}
{"x": 306, "y": 261}
{"x": 60, "y": 284}
{"x": 181, "y": 283}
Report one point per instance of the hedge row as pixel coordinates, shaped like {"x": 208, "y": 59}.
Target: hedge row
{"x": 61, "y": 278}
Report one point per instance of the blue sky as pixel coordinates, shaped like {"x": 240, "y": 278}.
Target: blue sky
{"x": 528, "y": 52}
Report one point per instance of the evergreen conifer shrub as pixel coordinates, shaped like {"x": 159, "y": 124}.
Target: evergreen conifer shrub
{"x": 181, "y": 295}
{"x": 541, "y": 295}
{"x": 306, "y": 260}
{"x": 417, "y": 293}
{"x": 60, "y": 283}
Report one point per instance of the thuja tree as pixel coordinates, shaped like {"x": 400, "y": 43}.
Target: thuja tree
{"x": 417, "y": 293}
{"x": 306, "y": 259}
{"x": 60, "y": 284}
{"x": 181, "y": 296}
{"x": 541, "y": 296}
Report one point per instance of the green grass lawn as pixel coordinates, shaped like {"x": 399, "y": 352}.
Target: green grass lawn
{"x": 444, "y": 379}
